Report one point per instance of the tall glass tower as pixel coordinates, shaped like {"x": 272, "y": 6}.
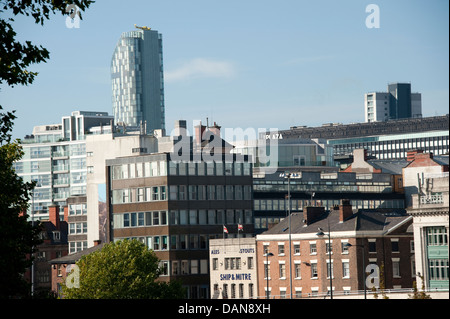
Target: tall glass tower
{"x": 137, "y": 80}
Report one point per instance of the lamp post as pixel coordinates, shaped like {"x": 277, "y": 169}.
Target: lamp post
{"x": 289, "y": 175}
{"x": 321, "y": 234}
{"x": 290, "y": 243}
{"x": 267, "y": 273}
{"x": 364, "y": 265}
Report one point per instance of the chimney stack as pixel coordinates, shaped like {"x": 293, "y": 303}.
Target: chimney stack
{"x": 312, "y": 213}
{"x": 345, "y": 210}
{"x": 53, "y": 215}
{"x": 97, "y": 242}
{"x": 411, "y": 155}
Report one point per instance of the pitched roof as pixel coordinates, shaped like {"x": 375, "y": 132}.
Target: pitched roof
{"x": 73, "y": 258}
{"x": 360, "y": 221}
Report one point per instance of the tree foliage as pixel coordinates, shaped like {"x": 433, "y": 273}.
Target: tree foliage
{"x": 16, "y": 57}
{"x": 121, "y": 270}
{"x": 18, "y": 236}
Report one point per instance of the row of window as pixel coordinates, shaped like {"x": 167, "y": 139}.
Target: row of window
{"x": 437, "y": 236}
{"x": 175, "y": 242}
{"x": 77, "y": 228}
{"x": 182, "y": 217}
{"x": 282, "y": 204}
{"x": 136, "y": 170}
{"x": 438, "y": 269}
{"x": 323, "y": 187}
{"x": 182, "y": 192}
{"x": 234, "y": 293}
{"x": 159, "y": 168}
{"x": 372, "y": 247}
{"x": 76, "y": 246}
{"x": 77, "y": 209}
{"x": 233, "y": 263}
{"x": 313, "y": 265}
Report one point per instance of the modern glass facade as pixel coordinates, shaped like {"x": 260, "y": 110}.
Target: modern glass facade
{"x": 394, "y": 146}
{"x": 137, "y": 80}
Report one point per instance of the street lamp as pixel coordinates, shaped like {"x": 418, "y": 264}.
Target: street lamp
{"x": 364, "y": 265}
{"x": 267, "y": 272}
{"x": 289, "y": 175}
{"x": 321, "y": 234}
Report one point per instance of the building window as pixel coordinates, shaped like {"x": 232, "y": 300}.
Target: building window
{"x": 372, "y": 246}
{"x": 394, "y": 245}
{"x": 438, "y": 269}
{"x": 296, "y": 249}
{"x": 282, "y": 271}
{"x": 250, "y": 263}
{"x": 345, "y": 269}
{"x": 437, "y": 236}
{"x": 344, "y": 247}
{"x": 225, "y": 291}
{"x": 330, "y": 270}
{"x": 312, "y": 248}
{"x": 396, "y": 267}
{"x": 281, "y": 249}
{"x": 215, "y": 263}
{"x": 297, "y": 269}
{"x": 314, "y": 273}
{"x": 232, "y": 263}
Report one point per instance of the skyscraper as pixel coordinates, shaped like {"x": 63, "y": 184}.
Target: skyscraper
{"x": 137, "y": 80}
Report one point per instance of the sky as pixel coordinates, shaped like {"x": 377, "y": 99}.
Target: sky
{"x": 243, "y": 64}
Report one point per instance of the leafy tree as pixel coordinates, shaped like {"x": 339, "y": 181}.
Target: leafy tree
{"x": 121, "y": 270}
{"x": 15, "y": 57}
{"x": 18, "y": 236}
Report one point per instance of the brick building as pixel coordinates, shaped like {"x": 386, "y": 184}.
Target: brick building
{"x": 387, "y": 242}
{"x": 54, "y": 236}
{"x": 61, "y": 267}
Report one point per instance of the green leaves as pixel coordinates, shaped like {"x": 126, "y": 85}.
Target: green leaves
{"x": 16, "y": 57}
{"x": 121, "y": 270}
{"x": 18, "y": 235}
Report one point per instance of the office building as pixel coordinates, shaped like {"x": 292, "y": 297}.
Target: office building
{"x": 383, "y": 140}
{"x": 430, "y": 221}
{"x": 99, "y": 148}
{"x": 55, "y": 157}
{"x": 317, "y": 187}
{"x": 175, "y": 203}
{"x": 137, "y": 80}
{"x": 397, "y": 103}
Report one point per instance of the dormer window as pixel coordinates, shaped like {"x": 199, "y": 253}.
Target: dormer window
{"x": 56, "y": 235}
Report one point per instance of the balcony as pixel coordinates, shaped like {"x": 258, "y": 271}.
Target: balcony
{"x": 431, "y": 199}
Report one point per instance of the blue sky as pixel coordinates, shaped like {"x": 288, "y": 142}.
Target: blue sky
{"x": 248, "y": 64}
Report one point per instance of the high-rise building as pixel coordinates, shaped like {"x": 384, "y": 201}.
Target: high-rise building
{"x": 137, "y": 80}
{"x": 55, "y": 158}
{"x": 397, "y": 103}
